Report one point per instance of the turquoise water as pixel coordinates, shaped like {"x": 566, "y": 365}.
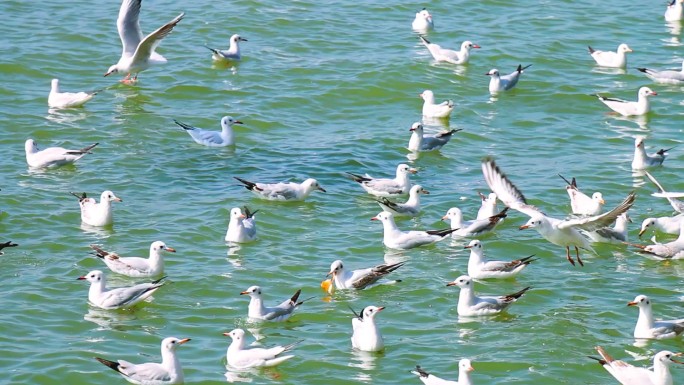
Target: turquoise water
{"x": 324, "y": 88}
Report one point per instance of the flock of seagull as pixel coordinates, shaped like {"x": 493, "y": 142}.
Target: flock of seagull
{"x": 586, "y": 225}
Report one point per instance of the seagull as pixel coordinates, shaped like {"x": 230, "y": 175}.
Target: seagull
{"x": 615, "y": 234}
{"x": 97, "y": 214}
{"x": 611, "y": 59}
{"x": 499, "y": 83}
{"x": 421, "y": 142}
{"x": 121, "y": 297}
{"x": 676, "y": 204}
{"x": 581, "y": 203}
{"x": 449, "y": 55}
{"x": 557, "y": 231}
{"x": 473, "y": 228}
{"x": 404, "y": 240}
{"x": 423, "y": 21}
{"x": 433, "y": 110}
{"x": 239, "y": 357}
{"x": 232, "y": 53}
{"x": 480, "y": 268}
{"x": 675, "y": 11}
{"x": 241, "y": 228}
{"x": 381, "y": 187}
{"x": 628, "y": 108}
{"x": 665, "y": 76}
{"x": 642, "y": 160}
{"x": 412, "y": 206}
{"x": 668, "y": 225}
{"x": 138, "y": 53}
{"x": 471, "y": 305}
{"x": 282, "y": 191}
{"x": 258, "y": 311}
{"x": 167, "y": 373}
{"x": 361, "y": 278}
{"x": 669, "y": 250}
{"x": 365, "y": 333}
{"x": 58, "y": 99}
{"x": 464, "y": 369}
{"x": 626, "y": 374}
{"x": 53, "y": 156}
{"x": 136, "y": 266}
{"x": 226, "y": 137}
{"x": 488, "y": 207}
{"x": 648, "y": 328}
{"x": 6, "y": 244}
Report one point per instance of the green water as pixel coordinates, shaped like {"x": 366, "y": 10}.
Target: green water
{"x": 327, "y": 87}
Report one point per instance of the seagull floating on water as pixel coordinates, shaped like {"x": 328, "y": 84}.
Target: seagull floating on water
{"x": 136, "y": 266}
{"x": 58, "y": 99}
{"x": 665, "y": 76}
{"x": 223, "y": 138}
{"x": 138, "y": 53}
{"x": 464, "y": 369}
{"x": 412, "y": 206}
{"x": 615, "y": 234}
{"x": 357, "y": 279}
{"x": 581, "y": 203}
{"x": 481, "y": 268}
{"x": 121, "y": 297}
{"x": 53, "y": 156}
{"x": 97, "y": 214}
{"x": 488, "y": 206}
{"x": 471, "y": 305}
{"x": 626, "y": 374}
{"x": 609, "y": 58}
{"x": 421, "y": 142}
{"x": 365, "y": 332}
{"x": 434, "y": 110}
{"x": 449, "y": 55}
{"x": 232, "y": 53}
{"x": 385, "y": 187}
{"x": 557, "y": 231}
{"x": 668, "y": 225}
{"x": 629, "y": 108}
{"x": 283, "y": 191}
{"x": 642, "y": 160}
{"x": 473, "y": 228}
{"x": 240, "y": 357}
{"x": 169, "y": 372}
{"x": 666, "y": 251}
{"x": 241, "y": 227}
{"x": 498, "y": 83}
{"x": 404, "y": 240}
{"x": 423, "y": 21}
{"x": 647, "y": 327}
{"x": 258, "y": 311}
{"x": 674, "y": 11}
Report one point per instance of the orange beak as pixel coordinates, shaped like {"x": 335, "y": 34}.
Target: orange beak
{"x": 632, "y": 303}
{"x": 523, "y": 227}
{"x": 244, "y": 292}
{"x": 170, "y": 249}
{"x": 375, "y": 219}
{"x": 184, "y": 340}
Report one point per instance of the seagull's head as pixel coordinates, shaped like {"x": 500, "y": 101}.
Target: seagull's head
{"x": 335, "y": 268}
{"x": 55, "y": 85}
{"x": 646, "y": 92}
{"x": 418, "y": 189}
{"x": 404, "y": 169}
{"x": 493, "y": 72}
{"x": 312, "y": 184}
{"x": 535, "y": 221}
{"x": 464, "y": 282}
{"x": 468, "y": 45}
{"x": 237, "y": 38}
{"x": 425, "y": 15}
{"x": 30, "y": 146}
{"x": 92, "y": 277}
{"x": 667, "y": 357}
{"x": 465, "y": 365}
{"x": 171, "y": 343}
{"x": 236, "y": 213}
{"x": 160, "y": 246}
{"x": 639, "y": 141}
{"x": 112, "y": 70}
{"x": 253, "y": 291}
{"x": 428, "y": 96}
{"x": 108, "y": 196}
{"x": 641, "y": 301}
{"x": 383, "y": 217}
{"x": 235, "y": 334}
{"x": 369, "y": 312}
{"x": 624, "y": 48}
{"x": 474, "y": 245}
{"x": 648, "y": 222}
{"x": 453, "y": 213}
{"x": 598, "y": 197}
{"x": 417, "y": 127}
{"x": 228, "y": 121}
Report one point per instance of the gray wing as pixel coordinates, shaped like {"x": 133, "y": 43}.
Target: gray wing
{"x": 128, "y": 25}
{"x": 151, "y": 41}
{"x": 600, "y": 221}
{"x": 505, "y": 190}
{"x": 677, "y": 205}
{"x": 610, "y": 233}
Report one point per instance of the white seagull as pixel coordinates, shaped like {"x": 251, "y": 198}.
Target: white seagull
{"x": 136, "y": 266}
{"x": 232, "y": 53}
{"x": 241, "y": 227}
{"x": 609, "y": 58}
{"x": 481, "y": 268}
{"x": 412, "y": 206}
{"x": 421, "y": 142}
{"x": 434, "y": 110}
{"x": 498, "y": 83}
{"x": 258, "y": 311}
{"x": 665, "y": 251}
{"x": 53, "y": 156}
{"x": 616, "y": 234}
{"x": 642, "y": 160}
{"x": 404, "y": 240}
{"x": 449, "y": 55}
{"x": 675, "y": 11}
{"x": 668, "y": 225}
{"x": 423, "y": 21}
{"x": 365, "y": 333}
{"x": 471, "y": 305}
{"x": 58, "y": 99}
{"x": 627, "y": 374}
{"x": 647, "y": 327}
{"x": 97, "y": 214}
{"x": 488, "y": 206}
{"x": 557, "y": 231}
{"x": 676, "y": 204}
{"x": 282, "y": 191}
{"x": 665, "y": 76}
{"x": 121, "y": 297}
{"x": 240, "y": 357}
{"x": 581, "y": 203}
{"x": 223, "y": 138}
{"x": 167, "y": 373}
{"x": 385, "y": 187}
{"x": 138, "y": 53}
{"x": 464, "y": 369}
{"x": 472, "y": 228}
{"x": 628, "y": 108}
{"x": 358, "y": 279}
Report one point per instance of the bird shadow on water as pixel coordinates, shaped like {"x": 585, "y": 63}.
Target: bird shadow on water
{"x": 111, "y": 319}
{"x": 99, "y": 232}
{"x": 66, "y": 116}
{"x": 365, "y": 361}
